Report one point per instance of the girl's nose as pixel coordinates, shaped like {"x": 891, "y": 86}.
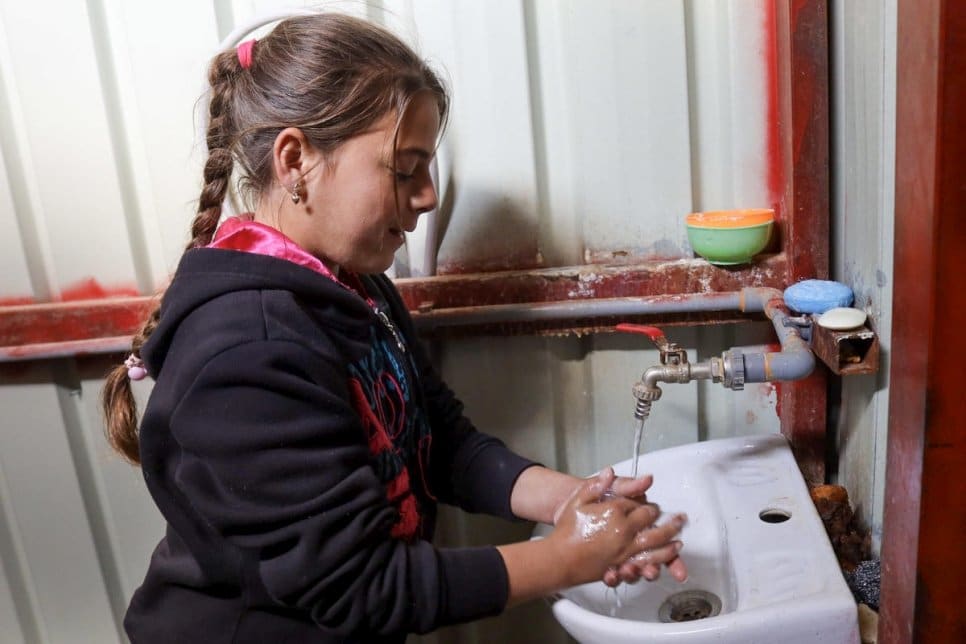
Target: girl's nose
{"x": 424, "y": 199}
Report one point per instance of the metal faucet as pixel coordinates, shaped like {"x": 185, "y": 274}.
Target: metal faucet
{"x": 729, "y": 369}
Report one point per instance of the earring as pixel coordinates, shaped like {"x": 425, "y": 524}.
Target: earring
{"x": 296, "y": 189}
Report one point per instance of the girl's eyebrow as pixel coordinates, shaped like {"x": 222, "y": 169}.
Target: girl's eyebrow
{"x": 419, "y": 152}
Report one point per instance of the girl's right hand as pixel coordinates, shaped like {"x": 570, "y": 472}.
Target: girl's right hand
{"x": 593, "y": 535}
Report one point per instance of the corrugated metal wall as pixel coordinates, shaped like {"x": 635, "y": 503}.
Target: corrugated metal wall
{"x": 863, "y": 194}
{"x": 582, "y": 131}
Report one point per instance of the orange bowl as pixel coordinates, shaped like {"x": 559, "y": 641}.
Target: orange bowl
{"x": 731, "y": 218}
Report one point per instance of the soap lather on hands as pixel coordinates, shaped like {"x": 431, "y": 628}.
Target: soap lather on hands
{"x": 609, "y": 530}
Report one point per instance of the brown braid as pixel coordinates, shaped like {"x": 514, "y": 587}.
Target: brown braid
{"x": 217, "y": 172}
{"x": 117, "y": 399}
{"x": 330, "y": 75}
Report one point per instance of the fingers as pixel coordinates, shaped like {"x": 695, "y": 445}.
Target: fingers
{"x": 612, "y": 577}
{"x": 659, "y": 536}
{"x": 655, "y": 547}
{"x": 633, "y": 488}
{"x": 591, "y": 489}
{"x": 633, "y": 569}
{"x": 643, "y": 516}
{"x": 678, "y": 569}
{"x": 657, "y": 556}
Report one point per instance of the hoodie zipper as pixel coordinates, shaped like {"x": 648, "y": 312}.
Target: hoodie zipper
{"x": 392, "y": 328}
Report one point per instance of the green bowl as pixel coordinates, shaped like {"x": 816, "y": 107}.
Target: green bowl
{"x": 727, "y": 246}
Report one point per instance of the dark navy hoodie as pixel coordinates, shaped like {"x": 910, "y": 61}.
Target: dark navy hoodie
{"x": 297, "y": 444}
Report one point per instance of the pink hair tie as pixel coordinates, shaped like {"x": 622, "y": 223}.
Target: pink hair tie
{"x": 135, "y": 367}
{"x": 245, "y": 52}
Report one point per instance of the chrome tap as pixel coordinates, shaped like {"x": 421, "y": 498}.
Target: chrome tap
{"x": 674, "y": 367}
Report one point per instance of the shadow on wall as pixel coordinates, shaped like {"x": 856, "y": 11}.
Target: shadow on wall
{"x": 500, "y": 233}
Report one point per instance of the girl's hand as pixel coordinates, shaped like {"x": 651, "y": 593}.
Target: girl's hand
{"x": 621, "y": 486}
{"x": 663, "y": 549}
{"x": 592, "y": 535}
{"x": 633, "y": 488}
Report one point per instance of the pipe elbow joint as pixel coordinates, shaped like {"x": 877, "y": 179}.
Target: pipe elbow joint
{"x": 793, "y": 364}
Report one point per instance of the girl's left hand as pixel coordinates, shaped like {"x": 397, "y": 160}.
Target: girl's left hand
{"x": 647, "y": 566}
{"x": 633, "y": 488}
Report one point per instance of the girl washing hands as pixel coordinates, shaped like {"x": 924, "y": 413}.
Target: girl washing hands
{"x": 297, "y": 440}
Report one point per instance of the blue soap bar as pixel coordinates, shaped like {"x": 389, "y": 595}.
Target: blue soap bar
{"x": 817, "y": 296}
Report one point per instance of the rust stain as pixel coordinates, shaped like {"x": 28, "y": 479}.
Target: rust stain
{"x": 774, "y": 166}
{"x": 71, "y": 321}
{"x": 16, "y": 301}
{"x": 778, "y": 398}
{"x": 90, "y": 289}
{"x": 767, "y": 361}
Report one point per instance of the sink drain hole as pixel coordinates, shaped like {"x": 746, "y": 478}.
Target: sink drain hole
{"x": 774, "y": 516}
{"x": 688, "y": 606}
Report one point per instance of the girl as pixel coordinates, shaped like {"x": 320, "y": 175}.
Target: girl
{"x": 297, "y": 438}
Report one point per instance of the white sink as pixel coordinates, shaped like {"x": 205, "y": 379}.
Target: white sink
{"x": 769, "y": 581}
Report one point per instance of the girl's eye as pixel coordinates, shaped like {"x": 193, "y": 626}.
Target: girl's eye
{"x": 402, "y": 176}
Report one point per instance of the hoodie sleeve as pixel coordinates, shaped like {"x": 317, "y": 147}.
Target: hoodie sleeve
{"x": 274, "y": 459}
{"x": 467, "y": 467}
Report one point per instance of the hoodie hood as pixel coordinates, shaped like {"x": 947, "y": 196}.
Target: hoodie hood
{"x": 205, "y": 274}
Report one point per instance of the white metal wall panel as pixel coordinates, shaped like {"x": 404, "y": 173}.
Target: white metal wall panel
{"x": 581, "y": 131}
{"x": 620, "y": 119}
{"x": 155, "y": 58}
{"x": 13, "y": 261}
{"x": 65, "y": 128}
{"x": 47, "y": 517}
{"x": 21, "y": 249}
{"x": 863, "y": 110}
{"x": 728, "y": 107}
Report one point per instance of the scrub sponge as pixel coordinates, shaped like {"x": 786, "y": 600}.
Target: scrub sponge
{"x": 817, "y": 296}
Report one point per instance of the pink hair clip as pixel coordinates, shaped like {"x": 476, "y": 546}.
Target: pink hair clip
{"x": 245, "y": 53}
{"x": 135, "y": 367}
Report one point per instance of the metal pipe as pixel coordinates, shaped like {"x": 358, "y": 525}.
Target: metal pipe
{"x": 597, "y": 308}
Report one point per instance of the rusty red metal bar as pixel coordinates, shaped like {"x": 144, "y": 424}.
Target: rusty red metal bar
{"x": 30, "y": 332}
{"x": 923, "y": 560}
{"x": 62, "y": 329}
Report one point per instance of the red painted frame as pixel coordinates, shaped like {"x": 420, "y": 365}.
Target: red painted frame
{"x": 923, "y": 559}
{"x": 798, "y": 139}
{"x": 803, "y": 132}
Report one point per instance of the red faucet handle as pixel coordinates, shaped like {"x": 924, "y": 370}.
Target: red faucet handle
{"x": 654, "y": 333}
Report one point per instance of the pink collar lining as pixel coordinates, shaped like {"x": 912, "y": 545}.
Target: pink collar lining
{"x": 244, "y": 234}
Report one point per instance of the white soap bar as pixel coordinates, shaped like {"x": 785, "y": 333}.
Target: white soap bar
{"x": 842, "y": 318}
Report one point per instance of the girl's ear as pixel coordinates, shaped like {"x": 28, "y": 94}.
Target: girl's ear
{"x": 290, "y": 156}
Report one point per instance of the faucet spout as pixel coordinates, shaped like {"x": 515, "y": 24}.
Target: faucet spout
{"x": 646, "y": 391}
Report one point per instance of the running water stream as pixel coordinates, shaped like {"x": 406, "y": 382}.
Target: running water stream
{"x": 638, "y": 435}
{"x": 615, "y": 602}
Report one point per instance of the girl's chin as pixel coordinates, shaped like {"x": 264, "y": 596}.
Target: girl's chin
{"x": 372, "y": 266}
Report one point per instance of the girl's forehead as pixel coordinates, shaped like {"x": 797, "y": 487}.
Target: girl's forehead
{"x": 419, "y": 125}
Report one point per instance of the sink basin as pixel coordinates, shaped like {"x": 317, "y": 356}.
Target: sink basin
{"x": 761, "y": 568}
